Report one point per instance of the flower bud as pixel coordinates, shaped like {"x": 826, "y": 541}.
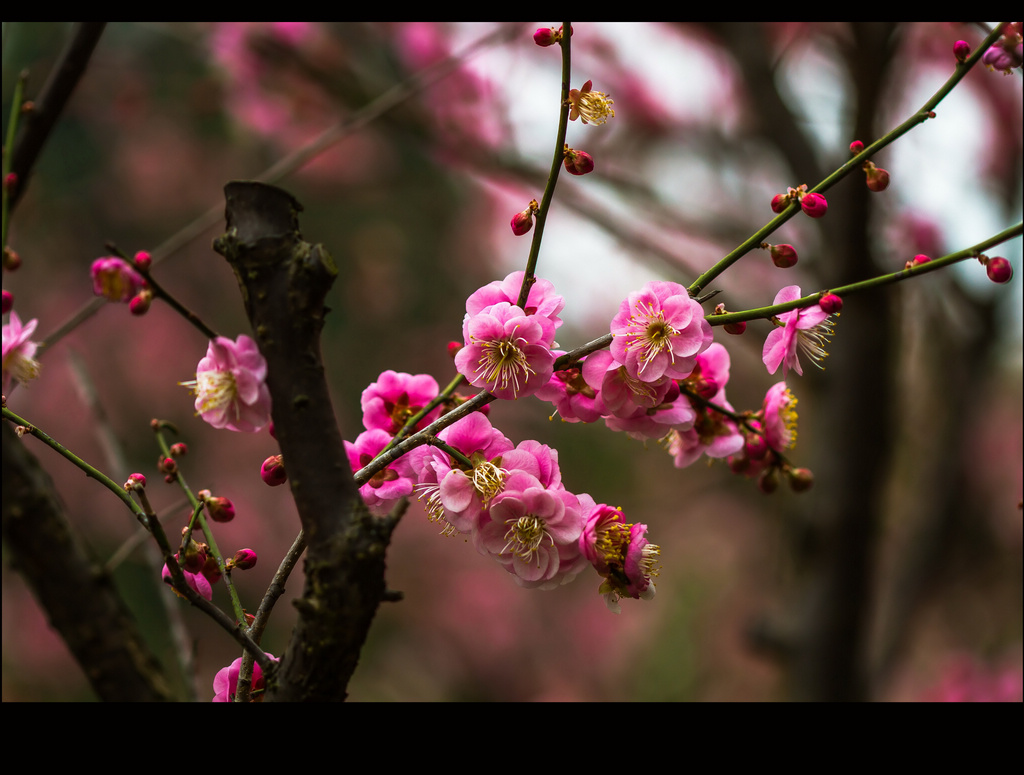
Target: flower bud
{"x": 143, "y": 260}
{"x": 453, "y": 349}
{"x": 195, "y": 557}
{"x": 139, "y": 305}
{"x": 12, "y": 260}
{"x": 768, "y": 482}
{"x": 814, "y": 205}
{"x": 272, "y": 471}
{"x": 168, "y": 466}
{"x": 999, "y": 269}
{"x": 243, "y": 559}
{"x": 877, "y": 178}
{"x": 522, "y": 222}
{"x": 735, "y": 328}
{"x": 801, "y": 479}
{"x": 830, "y": 303}
{"x": 211, "y": 570}
{"x": 11, "y": 182}
{"x": 780, "y": 202}
{"x": 179, "y": 449}
{"x": 755, "y": 446}
{"x": 135, "y": 482}
{"x": 546, "y": 36}
{"x": 578, "y": 162}
{"x": 115, "y": 279}
{"x": 856, "y": 147}
{"x": 917, "y": 260}
{"x": 961, "y": 50}
{"x": 783, "y": 256}
{"x": 220, "y": 509}
{"x": 8, "y": 302}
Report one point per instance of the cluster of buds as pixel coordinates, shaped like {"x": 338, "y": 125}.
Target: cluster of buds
{"x": 811, "y": 203}
{"x": 767, "y": 434}
{"x": 549, "y": 36}
{"x": 522, "y": 222}
{"x": 168, "y": 466}
{"x": 999, "y": 269}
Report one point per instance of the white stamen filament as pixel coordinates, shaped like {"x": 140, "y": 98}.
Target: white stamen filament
{"x": 812, "y": 341}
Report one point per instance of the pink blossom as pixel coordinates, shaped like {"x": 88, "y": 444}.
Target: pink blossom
{"x": 659, "y": 331}
{"x": 230, "y": 385}
{"x": 807, "y": 329}
{"x": 115, "y": 279}
{"x": 19, "y": 365}
{"x": 589, "y": 105}
{"x": 574, "y": 398}
{"x": 395, "y": 398}
{"x": 620, "y": 393}
{"x": 780, "y": 417}
{"x": 507, "y": 352}
{"x": 199, "y": 583}
{"x": 675, "y": 412}
{"x": 621, "y": 553}
{"x": 541, "y": 300}
{"x": 531, "y": 531}
{"x": 388, "y": 485}
{"x": 225, "y": 683}
{"x": 712, "y": 433}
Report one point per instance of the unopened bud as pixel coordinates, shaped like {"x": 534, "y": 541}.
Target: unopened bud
{"x": 814, "y": 205}
{"x": 143, "y": 260}
{"x": 856, "y": 147}
{"x": 135, "y": 482}
{"x": 780, "y": 202}
{"x": 768, "y": 482}
{"x": 243, "y": 559}
{"x": 220, "y": 509}
{"x": 8, "y": 302}
{"x": 578, "y": 162}
{"x": 12, "y": 261}
{"x": 801, "y": 479}
{"x": 546, "y": 36}
{"x": 140, "y": 303}
{"x": 522, "y": 222}
{"x": 453, "y": 349}
{"x": 11, "y": 181}
{"x": 783, "y": 256}
{"x": 179, "y": 449}
{"x": 211, "y": 570}
{"x": 830, "y": 303}
{"x": 917, "y": 260}
{"x": 272, "y": 471}
{"x": 877, "y": 178}
{"x": 735, "y": 328}
{"x": 999, "y": 269}
{"x": 168, "y": 466}
{"x": 961, "y": 50}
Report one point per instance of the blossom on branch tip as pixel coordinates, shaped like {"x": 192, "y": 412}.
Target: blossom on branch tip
{"x": 590, "y": 106}
{"x": 115, "y": 279}
{"x": 804, "y": 330}
{"x": 19, "y": 363}
{"x": 507, "y": 352}
{"x": 230, "y": 385}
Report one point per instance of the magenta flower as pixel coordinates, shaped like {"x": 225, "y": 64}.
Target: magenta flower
{"x": 532, "y": 531}
{"x": 225, "y": 683}
{"x": 395, "y": 398}
{"x": 230, "y": 385}
{"x": 19, "y": 365}
{"x": 807, "y": 329}
{"x": 507, "y": 352}
{"x": 199, "y": 583}
{"x": 574, "y": 398}
{"x": 659, "y": 331}
{"x": 621, "y": 553}
{"x": 541, "y": 300}
{"x": 116, "y": 279}
{"x": 780, "y": 417}
{"x": 388, "y": 485}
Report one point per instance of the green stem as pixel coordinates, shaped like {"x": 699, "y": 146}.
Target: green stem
{"x": 556, "y": 166}
{"x": 874, "y": 282}
{"x": 918, "y": 117}
{"x": 12, "y": 125}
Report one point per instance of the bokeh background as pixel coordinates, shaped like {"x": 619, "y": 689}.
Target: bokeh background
{"x": 912, "y": 532}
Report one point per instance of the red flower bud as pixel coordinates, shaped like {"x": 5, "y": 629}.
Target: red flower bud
{"x": 135, "y": 482}
{"x": 961, "y": 50}
{"x": 856, "y": 147}
{"x": 735, "y": 328}
{"x": 999, "y": 270}
{"x": 8, "y": 302}
{"x": 546, "y": 36}
{"x": 780, "y": 202}
{"x": 244, "y": 559}
{"x": 814, "y": 205}
{"x": 453, "y": 348}
{"x": 877, "y": 178}
{"x": 578, "y": 162}
{"x": 801, "y": 479}
{"x": 220, "y": 509}
{"x": 522, "y": 222}
{"x": 830, "y": 303}
{"x": 143, "y": 260}
{"x": 139, "y": 305}
{"x": 272, "y": 471}
{"x": 783, "y": 256}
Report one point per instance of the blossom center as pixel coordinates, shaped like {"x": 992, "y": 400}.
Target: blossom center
{"x": 594, "y": 107}
{"x": 525, "y": 536}
{"x": 650, "y": 334}
{"x": 214, "y": 389}
{"x": 503, "y": 363}
{"x": 489, "y": 480}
